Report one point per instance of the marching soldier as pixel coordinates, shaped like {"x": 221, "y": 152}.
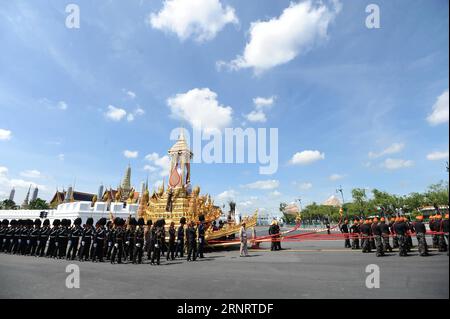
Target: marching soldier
{"x": 372, "y": 238}
{"x": 344, "y": 230}
{"x": 16, "y": 237}
{"x": 420, "y": 230}
{"x": 52, "y": 238}
{"x": 139, "y": 245}
{"x": 3, "y": 231}
{"x": 61, "y": 242}
{"x": 365, "y": 236}
{"x": 34, "y": 237}
{"x": 148, "y": 236}
{"x": 24, "y": 236}
{"x": 130, "y": 239}
{"x": 355, "y": 231}
{"x": 432, "y": 226}
{"x": 272, "y": 233}
{"x": 44, "y": 234}
{"x": 400, "y": 230}
{"x": 409, "y": 241}
{"x": 201, "y": 235}
{"x": 180, "y": 238}
{"x": 441, "y": 238}
{"x": 86, "y": 240}
{"x": 9, "y": 236}
{"x": 159, "y": 234}
{"x": 385, "y": 234}
{"x": 191, "y": 237}
{"x": 394, "y": 235}
{"x": 118, "y": 240}
{"x": 99, "y": 240}
{"x": 376, "y": 234}
{"x": 109, "y": 239}
{"x": 74, "y": 234}
{"x": 172, "y": 234}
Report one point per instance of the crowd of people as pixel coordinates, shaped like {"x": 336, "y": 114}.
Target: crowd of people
{"x": 375, "y": 234}
{"x": 116, "y": 240}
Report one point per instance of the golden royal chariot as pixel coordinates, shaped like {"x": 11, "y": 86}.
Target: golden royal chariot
{"x": 180, "y": 200}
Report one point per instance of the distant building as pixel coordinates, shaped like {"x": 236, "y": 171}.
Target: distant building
{"x": 332, "y": 201}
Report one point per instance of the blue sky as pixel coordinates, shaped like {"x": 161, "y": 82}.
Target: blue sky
{"x": 370, "y": 105}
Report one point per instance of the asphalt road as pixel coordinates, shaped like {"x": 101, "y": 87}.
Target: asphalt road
{"x": 316, "y": 269}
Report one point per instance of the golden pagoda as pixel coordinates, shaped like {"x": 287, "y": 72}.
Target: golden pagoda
{"x": 181, "y": 200}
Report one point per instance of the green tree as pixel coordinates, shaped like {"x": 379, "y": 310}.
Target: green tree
{"x": 437, "y": 194}
{"x": 7, "y": 204}
{"x": 359, "y": 199}
{"x": 38, "y": 204}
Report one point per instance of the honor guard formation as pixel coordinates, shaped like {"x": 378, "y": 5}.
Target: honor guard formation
{"x": 116, "y": 240}
{"x": 375, "y": 234}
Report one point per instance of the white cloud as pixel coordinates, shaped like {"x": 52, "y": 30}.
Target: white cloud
{"x": 130, "y": 154}
{"x": 61, "y": 157}
{"x": 392, "y": 164}
{"x": 201, "y": 109}
{"x": 335, "y": 177}
{"x": 279, "y": 40}
{"x": 115, "y": 113}
{"x": 163, "y": 163}
{"x": 199, "y": 19}
{"x": 227, "y": 195}
{"x": 150, "y": 168}
{"x": 256, "y": 116}
{"x": 305, "y": 186}
{"x": 3, "y": 171}
{"x": 307, "y": 157}
{"x": 31, "y": 174}
{"x": 392, "y": 149}
{"x": 275, "y": 194}
{"x": 130, "y": 117}
{"x": 435, "y": 156}
{"x": 131, "y": 94}
{"x": 261, "y": 102}
{"x": 139, "y": 111}
{"x": 5, "y": 135}
{"x": 266, "y": 184}
{"x": 440, "y": 111}
{"x": 62, "y": 105}
{"x": 20, "y": 183}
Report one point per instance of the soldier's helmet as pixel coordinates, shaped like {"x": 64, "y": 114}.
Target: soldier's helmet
{"x": 149, "y": 222}
{"x": 5, "y": 222}
{"x": 46, "y": 222}
{"x": 69, "y": 222}
{"x": 77, "y": 221}
{"x": 13, "y": 222}
{"x": 63, "y": 222}
{"x": 122, "y": 222}
{"x": 90, "y": 221}
{"x": 183, "y": 220}
{"x": 109, "y": 224}
{"x": 419, "y": 217}
{"x": 56, "y": 222}
{"x": 117, "y": 221}
{"x": 141, "y": 221}
{"x": 201, "y": 218}
{"x": 37, "y": 222}
{"x": 133, "y": 221}
{"x": 102, "y": 221}
{"x": 446, "y": 216}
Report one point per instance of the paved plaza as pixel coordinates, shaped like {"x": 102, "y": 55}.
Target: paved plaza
{"x": 311, "y": 269}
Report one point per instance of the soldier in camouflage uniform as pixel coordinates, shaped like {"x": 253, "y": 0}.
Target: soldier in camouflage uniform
{"x": 420, "y": 230}
{"x": 442, "y": 245}
{"x": 385, "y": 234}
{"x": 376, "y": 233}
{"x": 355, "y": 231}
{"x": 401, "y": 230}
{"x": 365, "y": 237}
{"x": 394, "y": 235}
